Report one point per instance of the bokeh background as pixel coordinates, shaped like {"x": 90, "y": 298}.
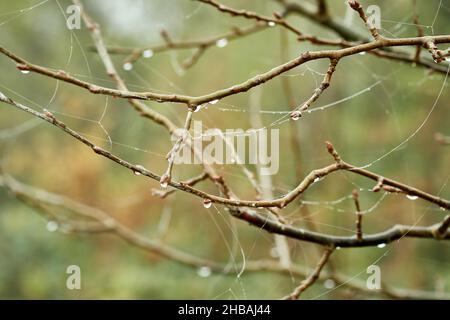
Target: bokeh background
{"x": 33, "y": 260}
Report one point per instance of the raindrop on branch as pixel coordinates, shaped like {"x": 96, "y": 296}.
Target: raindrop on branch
{"x": 381, "y": 245}
{"x": 274, "y": 253}
{"x": 329, "y": 284}
{"x": 412, "y": 197}
{"x": 127, "y": 66}
{"x": 138, "y": 171}
{"x": 222, "y": 43}
{"x": 271, "y": 24}
{"x": 3, "y": 97}
{"x": 207, "y": 203}
{"x": 164, "y": 181}
{"x": 296, "y": 115}
{"x": 147, "y": 53}
{"x": 52, "y": 226}
{"x": 204, "y": 272}
{"x": 214, "y": 101}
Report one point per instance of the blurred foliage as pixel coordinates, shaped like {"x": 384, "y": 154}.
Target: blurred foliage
{"x": 33, "y": 261}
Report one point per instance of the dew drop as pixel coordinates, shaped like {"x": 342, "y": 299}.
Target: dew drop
{"x": 196, "y": 108}
{"x": 127, "y": 66}
{"x": 147, "y": 53}
{"x": 271, "y": 24}
{"x": 296, "y": 115}
{"x": 412, "y": 197}
{"x": 443, "y": 209}
{"x": 207, "y": 203}
{"x": 381, "y": 245}
{"x": 316, "y": 180}
{"x": 222, "y": 43}
{"x": 52, "y": 226}
{"x": 329, "y": 284}
{"x": 362, "y": 53}
{"x": 214, "y": 101}
{"x": 3, "y": 97}
{"x": 204, "y": 272}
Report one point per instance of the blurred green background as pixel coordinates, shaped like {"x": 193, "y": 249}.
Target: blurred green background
{"x": 33, "y": 260}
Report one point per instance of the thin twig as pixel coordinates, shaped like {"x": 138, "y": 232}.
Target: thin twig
{"x": 359, "y": 234}
{"x": 312, "y": 278}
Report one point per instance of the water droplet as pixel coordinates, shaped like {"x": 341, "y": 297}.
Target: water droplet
{"x": 164, "y": 181}
{"x": 443, "y": 209}
{"x": 52, "y": 226}
{"x": 362, "y": 53}
{"x": 329, "y": 284}
{"x": 147, "y": 53}
{"x": 274, "y": 253}
{"x": 25, "y": 71}
{"x": 222, "y": 43}
{"x": 338, "y": 248}
{"x": 381, "y": 245}
{"x": 412, "y": 197}
{"x": 214, "y": 101}
{"x": 296, "y": 115}
{"x": 207, "y": 203}
{"x": 447, "y": 59}
{"x": 196, "y": 108}
{"x": 204, "y": 272}
{"x": 137, "y": 172}
{"x": 3, "y": 97}
{"x": 316, "y": 179}
{"x": 127, "y": 66}
{"x": 271, "y": 24}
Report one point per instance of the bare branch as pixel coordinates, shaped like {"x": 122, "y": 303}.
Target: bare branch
{"x": 359, "y": 234}
{"x": 312, "y": 278}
